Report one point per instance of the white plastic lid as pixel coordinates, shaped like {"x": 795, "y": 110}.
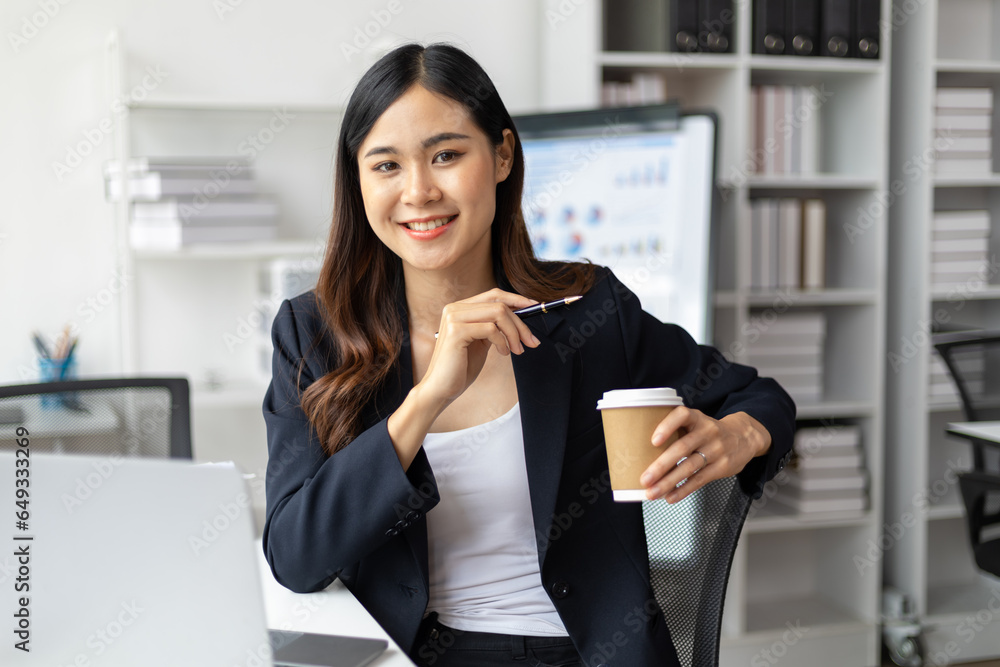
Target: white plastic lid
{"x": 639, "y": 398}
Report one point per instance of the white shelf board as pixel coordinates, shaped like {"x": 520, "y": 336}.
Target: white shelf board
{"x": 943, "y": 403}
{"x": 834, "y": 409}
{"x": 967, "y": 181}
{"x": 968, "y": 66}
{"x": 668, "y": 60}
{"x": 236, "y": 251}
{"x": 987, "y": 292}
{"x": 819, "y": 64}
{"x": 774, "y": 517}
{"x": 182, "y": 103}
{"x": 946, "y": 602}
{"x": 946, "y": 511}
{"x": 246, "y": 394}
{"x": 812, "y": 181}
{"x": 823, "y": 297}
{"x": 813, "y": 612}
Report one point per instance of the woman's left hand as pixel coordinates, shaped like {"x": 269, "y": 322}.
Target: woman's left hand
{"x": 710, "y": 449}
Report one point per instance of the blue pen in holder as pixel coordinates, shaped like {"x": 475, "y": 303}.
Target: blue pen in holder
{"x": 55, "y": 370}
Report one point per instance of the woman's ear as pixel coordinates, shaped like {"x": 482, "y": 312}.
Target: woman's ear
{"x": 505, "y": 156}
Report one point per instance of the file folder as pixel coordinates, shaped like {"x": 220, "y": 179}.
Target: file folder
{"x": 715, "y": 18}
{"x": 803, "y": 21}
{"x": 866, "y": 28}
{"x": 684, "y": 24}
{"x": 769, "y": 27}
{"x": 836, "y": 22}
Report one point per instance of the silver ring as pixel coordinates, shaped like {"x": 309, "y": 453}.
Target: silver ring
{"x": 703, "y": 457}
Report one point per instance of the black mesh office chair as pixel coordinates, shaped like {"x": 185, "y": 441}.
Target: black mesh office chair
{"x": 145, "y": 417}
{"x": 973, "y": 361}
{"x": 691, "y": 546}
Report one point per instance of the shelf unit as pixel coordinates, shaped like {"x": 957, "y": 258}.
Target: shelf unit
{"x": 789, "y": 569}
{"x": 947, "y": 43}
{"x": 200, "y": 311}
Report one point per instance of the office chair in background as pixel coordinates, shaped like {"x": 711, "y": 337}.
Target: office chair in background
{"x": 691, "y": 546}
{"x": 973, "y": 360}
{"x": 145, "y": 417}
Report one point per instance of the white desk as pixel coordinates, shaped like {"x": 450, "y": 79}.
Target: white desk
{"x": 989, "y": 431}
{"x": 332, "y": 611}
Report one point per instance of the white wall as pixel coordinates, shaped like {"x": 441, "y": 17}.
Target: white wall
{"x": 57, "y": 257}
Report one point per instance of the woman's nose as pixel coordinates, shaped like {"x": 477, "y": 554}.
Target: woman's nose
{"x": 419, "y": 187}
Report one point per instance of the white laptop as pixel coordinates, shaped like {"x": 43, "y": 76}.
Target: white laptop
{"x": 126, "y": 562}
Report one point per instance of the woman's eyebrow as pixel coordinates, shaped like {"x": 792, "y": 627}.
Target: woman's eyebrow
{"x": 426, "y": 143}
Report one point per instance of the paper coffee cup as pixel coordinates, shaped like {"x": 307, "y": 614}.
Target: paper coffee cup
{"x": 630, "y": 416}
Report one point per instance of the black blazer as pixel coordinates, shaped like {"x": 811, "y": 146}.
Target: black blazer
{"x": 358, "y": 516}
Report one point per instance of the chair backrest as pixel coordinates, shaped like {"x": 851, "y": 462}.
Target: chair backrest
{"x": 981, "y": 496}
{"x": 132, "y": 417}
{"x": 973, "y": 362}
{"x": 691, "y": 546}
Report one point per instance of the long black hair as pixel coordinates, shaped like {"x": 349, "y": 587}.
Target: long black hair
{"x": 360, "y": 275}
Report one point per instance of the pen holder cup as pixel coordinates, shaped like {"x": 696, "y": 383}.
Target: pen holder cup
{"x": 56, "y": 370}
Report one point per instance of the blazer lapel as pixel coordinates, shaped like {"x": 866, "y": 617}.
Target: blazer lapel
{"x": 544, "y": 378}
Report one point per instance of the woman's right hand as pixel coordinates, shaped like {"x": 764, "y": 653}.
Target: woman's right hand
{"x": 468, "y": 329}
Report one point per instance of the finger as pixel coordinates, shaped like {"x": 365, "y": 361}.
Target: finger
{"x": 692, "y": 466}
{"x": 514, "y": 330}
{"x": 667, "y": 471}
{"x": 692, "y": 484}
{"x": 676, "y": 419}
{"x": 509, "y": 299}
{"x": 673, "y": 456}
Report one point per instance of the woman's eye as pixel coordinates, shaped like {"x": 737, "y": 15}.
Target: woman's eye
{"x": 446, "y": 156}
{"x": 386, "y": 167}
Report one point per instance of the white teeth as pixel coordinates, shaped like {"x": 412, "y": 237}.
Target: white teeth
{"x": 427, "y": 226}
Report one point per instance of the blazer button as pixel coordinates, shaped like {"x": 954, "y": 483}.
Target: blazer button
{"x": 413, "y": 515}
{"x": 392, "y": 532}
{"x": 560, "y": 589}
{"x": 405, "y": 524}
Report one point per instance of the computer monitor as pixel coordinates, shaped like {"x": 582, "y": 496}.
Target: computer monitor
{"x": 633, "y": 189}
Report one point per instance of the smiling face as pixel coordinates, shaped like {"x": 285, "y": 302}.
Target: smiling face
{"x": 428, "y": 177}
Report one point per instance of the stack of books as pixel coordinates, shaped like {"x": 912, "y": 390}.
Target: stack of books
{"x": 789, "y": 348}
{"x": 644, "y": 88}
{"x": 828, "y": 474}
{"x": 971, "y": 363}
{"x": 963, "y": 136}
{"x": 787, "y": 244}
{"x": 960, "y": 247}
{"x": 785, "y": 126}
{"x": 177, "y": 202}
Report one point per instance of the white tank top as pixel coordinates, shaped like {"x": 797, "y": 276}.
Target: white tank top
{"x": 483, "y": 557}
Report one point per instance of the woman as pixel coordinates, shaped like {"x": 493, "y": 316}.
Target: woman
{"x": 422, "y": 437}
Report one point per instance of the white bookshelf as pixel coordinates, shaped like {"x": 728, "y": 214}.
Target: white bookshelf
{"x": 788, "y": 567}
{"x": 199, "y": 311}
{"x": 947, "y": 43}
